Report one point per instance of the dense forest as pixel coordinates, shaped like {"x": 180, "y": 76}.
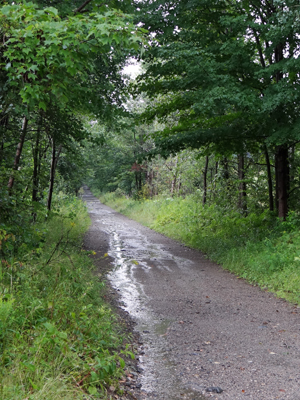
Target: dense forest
{"x": 209, "y": 131}
{"x": 217, "y": 97}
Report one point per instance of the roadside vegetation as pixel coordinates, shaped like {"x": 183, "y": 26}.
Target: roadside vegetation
{"x": 58, "y": 340}
{"x": 61, "y": 66}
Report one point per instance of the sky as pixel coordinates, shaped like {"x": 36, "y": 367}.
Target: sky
{"x": 133, "y": 69}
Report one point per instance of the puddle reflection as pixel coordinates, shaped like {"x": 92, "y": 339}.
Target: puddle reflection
{"x": 131, "y": 250}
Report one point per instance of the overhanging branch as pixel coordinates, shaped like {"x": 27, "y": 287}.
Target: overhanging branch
{"x": 82, "y": 6}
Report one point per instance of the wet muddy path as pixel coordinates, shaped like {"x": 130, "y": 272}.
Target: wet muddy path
{"x": 203, "y": 330}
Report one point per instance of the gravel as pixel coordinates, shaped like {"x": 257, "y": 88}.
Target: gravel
{"x": 204, "y": 332}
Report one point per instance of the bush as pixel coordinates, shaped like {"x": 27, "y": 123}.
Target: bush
{"x": 58, "y": 338}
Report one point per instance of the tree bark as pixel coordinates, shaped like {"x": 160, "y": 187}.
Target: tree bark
{"x": 150, "y": 182}
{"x": 3, "y": 125}
{"x": 2, "y": 148}
{"x": 174, "y": 178}
{"x": 136, "y": 181}
{"x": 282, "y": 180}
{"x": 281, "y": 155}
{"x": 179, "y": 185}
{"x": 270, "y": 183}
{"x": 205, "y": 180}
{"x": 35, "y": 177}
{"x": 242, "y": 203}
{"x": 42, "y": 156}
{"x": 18, "y": 152}
{"x": 140, "y": 180}
{"x": 226, "y": 169}
{"x": 291, "y": 164}
{"x": 81, "y": 7}
{"x": 215, "y": 183}
{"x": 52, "y": 172}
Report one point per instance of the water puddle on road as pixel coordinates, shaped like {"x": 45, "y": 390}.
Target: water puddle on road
{"x": 159, "y": 380}
{"x": 131, "y": 250}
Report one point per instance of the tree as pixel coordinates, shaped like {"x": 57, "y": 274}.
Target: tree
{"x": 52, "y": 63}
{"x": 227, "y": 72}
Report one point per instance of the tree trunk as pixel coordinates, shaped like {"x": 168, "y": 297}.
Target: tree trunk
{"x": 3, "y": 124}
{"x": 18, "y": 152}
{"x": 150, "y": 182}
{"x": 216, "y": 172}
{"x": 42, "y": 156}
{"x": 52, "y": 172}
{"x": 173, "y": 185}
{"x": 140, "y": 180}
{"x": 276, "y": 182}
{"x": 282, "y": 180}
{"x": 136, "y": 181}
{"x": 291, "y": 164}
{"x": 270, "y": 183}
{"x": 174, "y": 178}
{"x": 35, "y": 178}
{"x": 179, "y": 185}
{"x": 2, "y": 149}
{"x": 205, "y": 181}
{"x": 281, "y": 154}
{"x": 226, "y": 169}
{"x": 242, "y": 203}
{"x": 226, "y": 173}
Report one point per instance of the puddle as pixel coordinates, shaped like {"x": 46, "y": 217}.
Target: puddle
{"x": 131, "y": 250}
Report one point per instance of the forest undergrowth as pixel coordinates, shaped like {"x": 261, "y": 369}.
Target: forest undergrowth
{"x": 58, "y": 338}
{"x": 258, "y": 247}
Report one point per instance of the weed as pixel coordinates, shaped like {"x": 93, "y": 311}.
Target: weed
{"x": 58, "y": 338}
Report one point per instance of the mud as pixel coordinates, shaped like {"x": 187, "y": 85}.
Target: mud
{"x": 203, "y": 330}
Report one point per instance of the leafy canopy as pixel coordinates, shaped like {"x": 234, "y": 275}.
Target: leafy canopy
{"x": 225, "y": 72}
{"x": 44, "y": 53}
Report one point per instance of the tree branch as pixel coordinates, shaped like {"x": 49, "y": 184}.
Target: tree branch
{"x": 82, "y": 6}
{"x": 295, "y": 188}
{"x": 270, "y": 57}
{"x": 262, "y": 61}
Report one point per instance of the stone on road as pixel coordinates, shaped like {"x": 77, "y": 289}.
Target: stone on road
{"x": 205, "y": 333}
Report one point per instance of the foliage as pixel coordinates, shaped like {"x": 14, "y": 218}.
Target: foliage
{"x": 58, "y": 338}
{"x": 44, "y": 52}
{"x": 58, "y": 71}
{"x": 214, "y": 66}
{"x": 225, "y": 73}
{"x": 119, "y": 162}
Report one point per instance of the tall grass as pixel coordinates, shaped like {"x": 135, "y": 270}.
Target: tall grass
{"x": 57, "y": 337}
{"x": 259, "y": 247}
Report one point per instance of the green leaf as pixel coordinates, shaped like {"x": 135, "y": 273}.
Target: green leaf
{"x": 122, "y": 362}
{"x": 92, "y": 390}
{"x": 29, "y": 366}
{"x": 51, "y": 10}
{"x": 42, "y": 105}
{"x": 33, "y": 67}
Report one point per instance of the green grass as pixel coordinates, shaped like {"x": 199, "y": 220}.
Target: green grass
{"x": 58, "y": 339}
{"x": 259, "y": 247}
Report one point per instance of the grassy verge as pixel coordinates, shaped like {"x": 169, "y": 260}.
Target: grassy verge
{"x": 259, "y": 248}
{"x": 57, "y": 337}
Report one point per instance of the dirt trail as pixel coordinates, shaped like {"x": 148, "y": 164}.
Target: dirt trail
{"x": 201, "y": 327}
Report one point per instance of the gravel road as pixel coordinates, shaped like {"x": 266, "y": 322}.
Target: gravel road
{"x": 203, "y": 331}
